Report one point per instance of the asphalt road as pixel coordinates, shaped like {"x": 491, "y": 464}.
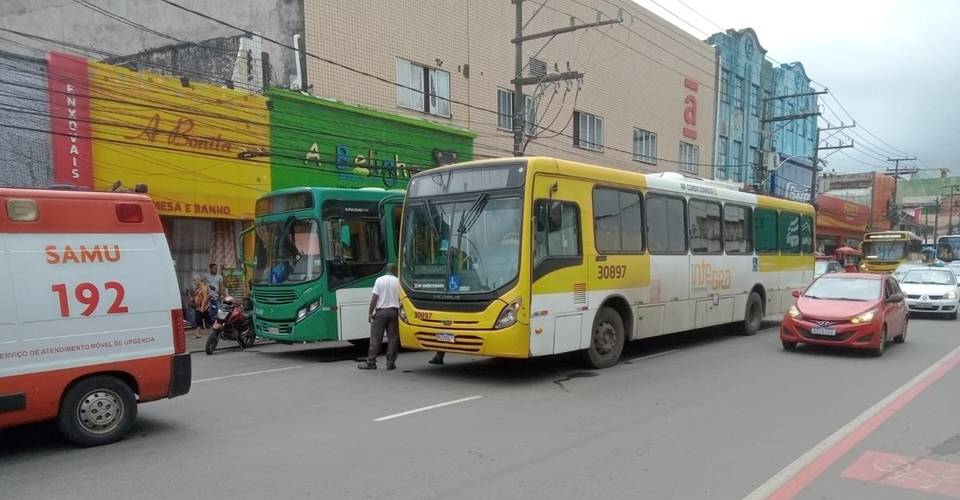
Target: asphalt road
{"x": 699, "y": 415}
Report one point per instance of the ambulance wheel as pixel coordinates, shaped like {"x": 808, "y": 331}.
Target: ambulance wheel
{"x": 606, "y": 340}
{"x": 96, "y": 411}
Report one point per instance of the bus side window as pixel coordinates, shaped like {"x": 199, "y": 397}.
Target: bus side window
{"x": 789, "y": 232}
{"x": 765, "y": 232}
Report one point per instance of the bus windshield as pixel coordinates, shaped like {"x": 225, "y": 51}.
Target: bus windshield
{"x": 462, "y": 246}
{"x": 948, "y": 248}
{"x": 885, "y": 250}
{"x": 287, "y": 252}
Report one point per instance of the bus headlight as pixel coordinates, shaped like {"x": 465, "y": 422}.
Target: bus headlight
{"x": 307, "y": 309}
{"x": 509, "y": 314}
{"x": 402, "y": 313}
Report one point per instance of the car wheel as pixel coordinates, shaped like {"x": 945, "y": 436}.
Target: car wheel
{"x": 878, "y": 351}
{"x": 97, "y": 410}
{"x": 789, "y": 346}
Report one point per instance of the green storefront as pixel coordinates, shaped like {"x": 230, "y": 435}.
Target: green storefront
{"x": 323, "y": 143}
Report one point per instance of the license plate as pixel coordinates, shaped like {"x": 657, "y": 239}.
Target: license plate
{"x": 826, "y": 332}
{"x": 272, "y": 330}
{"x": 446, "y": 337}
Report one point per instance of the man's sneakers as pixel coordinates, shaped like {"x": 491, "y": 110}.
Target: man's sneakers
{"x": 436, "y": 360}
{"x": 368, "y": 366}
{"x": 391, "y": 366}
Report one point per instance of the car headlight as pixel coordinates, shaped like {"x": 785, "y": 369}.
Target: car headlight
{"x": 951, "y": 295}
{"x": 509, "y": 314}
{"x": 794, "y": 312}
{"x": 864, "y": 318}
{"x": 309, "y": 308}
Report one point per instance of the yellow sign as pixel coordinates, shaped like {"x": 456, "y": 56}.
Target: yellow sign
{"x": 200, "y": 149}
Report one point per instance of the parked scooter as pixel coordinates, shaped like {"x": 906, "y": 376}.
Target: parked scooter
{"x": 234, "y": 322}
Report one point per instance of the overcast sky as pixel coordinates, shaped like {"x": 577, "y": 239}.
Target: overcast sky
{"x": 892, "y": 64}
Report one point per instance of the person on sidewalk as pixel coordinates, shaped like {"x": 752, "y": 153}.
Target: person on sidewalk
{"x": 384, "y": 317}
{"x": 216, "y": 287}
{"x": 202, "y": 315}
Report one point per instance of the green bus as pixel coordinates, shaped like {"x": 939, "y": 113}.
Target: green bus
{"x": 317, "y": 252}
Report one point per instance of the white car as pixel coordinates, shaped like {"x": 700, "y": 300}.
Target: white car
{"x": 931, "y": 290}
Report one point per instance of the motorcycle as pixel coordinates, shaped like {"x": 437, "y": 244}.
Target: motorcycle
{"x": 234, "y": 322}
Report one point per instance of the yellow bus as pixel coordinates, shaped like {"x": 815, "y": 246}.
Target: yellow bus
{"x": 884, "y": 251}
{"x": 525, "y": 257}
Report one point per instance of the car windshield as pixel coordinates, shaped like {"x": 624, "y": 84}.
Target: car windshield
{"x": 885, "y": 250}
{"x": 287, "y": 252}
{"x": 844, "y": 289}
{"x": 929, "y": 277}
{"x": 463, "y": 246}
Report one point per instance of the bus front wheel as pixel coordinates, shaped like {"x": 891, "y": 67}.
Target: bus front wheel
{"x": 606, "y": 340}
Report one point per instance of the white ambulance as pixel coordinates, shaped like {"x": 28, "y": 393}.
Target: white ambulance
{"x": 90, "y": 315}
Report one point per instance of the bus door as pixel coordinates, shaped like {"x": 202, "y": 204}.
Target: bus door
{"x": 559, "y": 289}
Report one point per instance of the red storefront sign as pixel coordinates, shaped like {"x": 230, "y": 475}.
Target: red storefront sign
{"x": 69, "y": 94}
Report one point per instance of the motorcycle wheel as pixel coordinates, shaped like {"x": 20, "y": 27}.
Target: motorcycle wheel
{"x": 246, "y": 338}
{"x": 212, "y": 339}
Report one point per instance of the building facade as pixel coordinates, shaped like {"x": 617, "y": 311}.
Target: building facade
{"x": 149, "y": 35}
{"x": 747, "y": 126}
{"x": 743, "y": 74}
{"x": 872, "y": 189}
{"x": 25, "y": 157}
{"x": 645, "y": 103}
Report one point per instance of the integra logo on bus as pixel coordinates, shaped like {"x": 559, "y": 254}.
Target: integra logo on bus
{"x": 703, "y": 275}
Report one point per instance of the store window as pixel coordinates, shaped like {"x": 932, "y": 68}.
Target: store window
{"x": 423, "y": 89}
{"x": 587, "y": 131}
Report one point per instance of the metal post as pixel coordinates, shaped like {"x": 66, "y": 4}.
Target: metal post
{"x": 518, "y": 111}
{"x": 816, "y": 151}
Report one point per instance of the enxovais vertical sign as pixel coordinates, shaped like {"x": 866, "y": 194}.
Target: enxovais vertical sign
{"x": 69, "y": 94}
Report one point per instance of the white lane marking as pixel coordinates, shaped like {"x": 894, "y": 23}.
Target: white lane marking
{"x": 247, "y": 374}
{"x": 425, "y": 408}
{"x": 663, "y": 353}
{"x": 787, "y": 473}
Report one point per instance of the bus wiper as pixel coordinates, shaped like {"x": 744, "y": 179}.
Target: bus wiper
{"x": 472, "y": 215}
{"x": 433, "y": 223}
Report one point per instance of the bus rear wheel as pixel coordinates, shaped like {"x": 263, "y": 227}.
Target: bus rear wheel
{"x": 606, "y": 339}
{"x": 753, "y": 316}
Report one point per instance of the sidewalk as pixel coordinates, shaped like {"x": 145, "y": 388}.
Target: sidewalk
{"x": 198, "y": 345}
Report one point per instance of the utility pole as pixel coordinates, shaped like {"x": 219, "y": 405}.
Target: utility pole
{"x": 760, "y": 174}
{"x": 896, "y": 173}
{"x": 816, "y": 152}
{"x": 952, "y": 191}
{"x": 936, "y": 219}
{"x": 519, "y": 113}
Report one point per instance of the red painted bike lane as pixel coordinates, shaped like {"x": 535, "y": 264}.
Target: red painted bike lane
{"x": 907, "y": 446}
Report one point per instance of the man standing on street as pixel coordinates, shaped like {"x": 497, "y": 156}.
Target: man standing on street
{"x": 217, "y": 289}
{"x": 384, "y": 309}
